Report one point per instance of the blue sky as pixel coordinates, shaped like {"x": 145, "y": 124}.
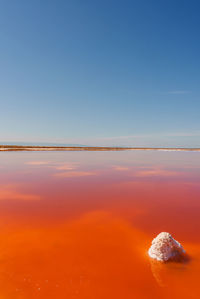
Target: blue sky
{"x": 100, "y": 72}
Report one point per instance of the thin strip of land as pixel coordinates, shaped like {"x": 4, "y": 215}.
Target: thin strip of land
{"x": 89, "y": 148}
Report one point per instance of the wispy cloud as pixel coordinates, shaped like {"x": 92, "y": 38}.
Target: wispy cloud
{"x": 157, "y": 139}
{"x": 179, "y": 92}
{"x": 160, "y": 139}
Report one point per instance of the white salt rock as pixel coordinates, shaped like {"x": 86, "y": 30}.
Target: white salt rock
{"x": 164, "y": 248}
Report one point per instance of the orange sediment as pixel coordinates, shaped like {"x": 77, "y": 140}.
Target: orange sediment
{"x": 87, "y": 236}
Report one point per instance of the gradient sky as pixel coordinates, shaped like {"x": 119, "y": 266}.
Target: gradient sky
{"x": 107, "y": 72}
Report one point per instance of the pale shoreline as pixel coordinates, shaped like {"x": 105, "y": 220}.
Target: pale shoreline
{"x": 89, "y": 148}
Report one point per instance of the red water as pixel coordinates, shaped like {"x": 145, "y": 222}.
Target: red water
{"x": 79, "y": 224}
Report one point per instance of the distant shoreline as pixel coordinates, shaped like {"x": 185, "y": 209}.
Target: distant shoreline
{"x": 89, "y": 148}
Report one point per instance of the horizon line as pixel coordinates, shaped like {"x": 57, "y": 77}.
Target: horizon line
{"x": 89, "y": 148}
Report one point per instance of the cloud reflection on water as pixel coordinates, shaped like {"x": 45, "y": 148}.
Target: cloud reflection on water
{"x": 12, "y": 192}
{"x": 156, "y": 172}
{"x": 72, "y": 174}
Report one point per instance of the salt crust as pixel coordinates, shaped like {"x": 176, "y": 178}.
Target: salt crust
{"x": 164, "y": 248}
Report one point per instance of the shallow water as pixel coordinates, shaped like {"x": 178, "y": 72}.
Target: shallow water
{"x": 79, "y": 224}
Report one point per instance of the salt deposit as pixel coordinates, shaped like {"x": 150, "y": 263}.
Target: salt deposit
{"x": 164, "y": 248}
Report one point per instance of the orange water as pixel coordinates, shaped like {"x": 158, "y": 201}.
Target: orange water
{"x": 79, "y": 224}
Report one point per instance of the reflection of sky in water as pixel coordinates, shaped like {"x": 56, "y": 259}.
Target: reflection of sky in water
{"x": 78, "y": 224}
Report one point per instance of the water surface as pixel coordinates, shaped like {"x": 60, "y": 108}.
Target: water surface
{"x": 79, "y": 224}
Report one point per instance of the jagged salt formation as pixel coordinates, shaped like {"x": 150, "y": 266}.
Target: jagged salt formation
{"x": 164, "y": 248}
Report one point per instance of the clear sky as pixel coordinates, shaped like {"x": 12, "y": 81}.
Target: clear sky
{"x": 107, "y": 72}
